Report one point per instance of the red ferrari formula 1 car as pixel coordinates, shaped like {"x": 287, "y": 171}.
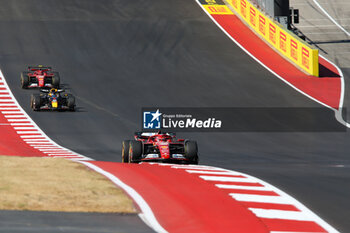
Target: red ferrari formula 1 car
{"x": 159, "y": 147}
{"x": 40, "y": 76}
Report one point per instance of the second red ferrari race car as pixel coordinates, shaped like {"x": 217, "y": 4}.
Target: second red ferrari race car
{"x": 159, "y": 147}
{"x": 40, "y": 76}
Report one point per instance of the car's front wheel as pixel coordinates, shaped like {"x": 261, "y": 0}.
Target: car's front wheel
{"x": 35, "y": 102}
{"x": 24, "y": 80}
{"x": 71, "y": 102}
{"x": 125, "y": 151}
{"x": 135, "y": 151}
{"x": 56, "y": 80}
{"x": 191, "y": 151}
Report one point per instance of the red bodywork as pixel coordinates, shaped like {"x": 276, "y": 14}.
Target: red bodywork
{"x": 161, "y": 144}
{"x": 40, "y": 75}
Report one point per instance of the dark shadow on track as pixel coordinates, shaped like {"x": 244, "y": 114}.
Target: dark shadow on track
{"x": 326, "y": 73}
{"x": 332, "y": 42}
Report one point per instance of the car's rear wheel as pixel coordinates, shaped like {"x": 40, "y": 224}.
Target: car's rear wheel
{"x": 125, "y": 151}
{"x": 24, "y": 80}
{"x": 71, "y": 102}
{"x": 135, "y": 151}
{"x": 35, "y": 102}
{"x": 191, "y": 151}
{"x": 56, "y": 80}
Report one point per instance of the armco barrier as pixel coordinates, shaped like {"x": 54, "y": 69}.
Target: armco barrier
{"x": 300, "y": 53}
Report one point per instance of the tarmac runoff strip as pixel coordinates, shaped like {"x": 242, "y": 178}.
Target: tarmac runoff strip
{"x": 201, "y": 198}
{"x": 327, "y": 90}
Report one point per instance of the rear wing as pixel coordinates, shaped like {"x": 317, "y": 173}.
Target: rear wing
{"x": 145, "y": 135}
{"x": 47, "y": 90}
{"x": 43, "y": 68}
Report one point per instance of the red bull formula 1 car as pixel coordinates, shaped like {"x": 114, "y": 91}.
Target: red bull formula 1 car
{"x": 53, "y": 99}
{"x": 159, "y": 147}
{"x": 40, "y": 76}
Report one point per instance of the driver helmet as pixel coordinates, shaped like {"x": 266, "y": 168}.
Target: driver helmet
{"x": 52, "y": 91}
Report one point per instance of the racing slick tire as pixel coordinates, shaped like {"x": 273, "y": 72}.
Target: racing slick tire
{"x": 191, "y": 151}
{"x": 24, "y": 80}
{"x": 71, "y": 102}
{"x": 135, "y": 151}
{"x": 35, "y": 102}
{"x": 125, "y": 151}
{"x": 56, "y": 80}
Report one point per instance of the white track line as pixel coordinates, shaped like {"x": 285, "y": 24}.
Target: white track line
{"x": 35, "y": 139}
{"x": 199, "y": 168}
{"x": 213, "y": 172}
{"x": 147, "y": 215}
{"x": 40, "y": 143}
{"x": 293, "y": 232}
{"x": 2, "y": 108}
{"x": 60, "y": 153}
{"x": 32, "y": 136}
{"x": 14, "y": 116}
{"x": 21, "y": 124}
{"x": 331, "y": 18}
{"x": 63, "y": 156}
{"x": 242, "y": 187}
{"x": 281, "y": 214}
{"x": 45, "y": 144}
{"x": 12, "y": 112}
{"x": 53, "y": 151}
{"x": 28, "y": 127}
{"x": 34, "y": 144}
{"x": 227, "y": 179}
{"x": 48, "y": 147}
{"x": 70, "y": 157}
{"x": 6, "y": 100}
{"x": 44, "y": 147}
{"x": 338, "y": 113}
{"x": 15, "y": 120}
{"x": 260, "y": 198}
{"x": 28, "y": 132}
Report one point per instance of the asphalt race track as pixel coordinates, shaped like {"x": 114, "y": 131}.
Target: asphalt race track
{"x": 117, "y": 56}
{"x": 55, "y": 222}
